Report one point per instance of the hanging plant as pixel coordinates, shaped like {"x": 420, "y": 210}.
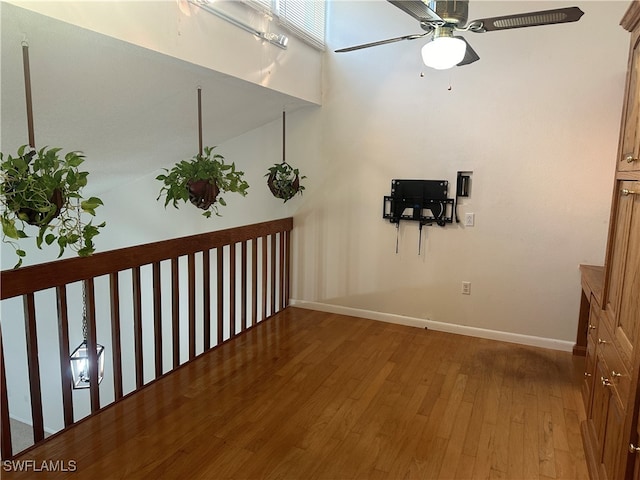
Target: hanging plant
{"x": 41, "y": 189}
{"x": 284, "y": 181}
{"x": 201, "y": 180}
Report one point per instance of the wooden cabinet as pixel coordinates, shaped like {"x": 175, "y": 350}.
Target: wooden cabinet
{"x": 610, "y": 385}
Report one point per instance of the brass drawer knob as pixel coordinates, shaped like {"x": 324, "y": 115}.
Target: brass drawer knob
{"x": 633, "y": 448}
{"x": 626, "y": 191}
{"x": 630, "y": 159}
{"x": 602, "y": 342}
{"x": 605, "y": 382}
{"x": 592, "y": 327}
{"x": 587, "y": 374}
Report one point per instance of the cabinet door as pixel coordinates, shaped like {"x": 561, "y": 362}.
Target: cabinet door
{"x": 599, "y": 407}
{"x": 629, "y": 153}
{"x": 623, "y": 275}
{"x": 589, "y": 378}
{"x": 629, "y": 313}
{"x": 633, "y": 447}
{"x": 613, "y": 440}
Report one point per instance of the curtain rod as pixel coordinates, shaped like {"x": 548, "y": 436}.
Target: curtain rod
{"x": 277, "y": 39}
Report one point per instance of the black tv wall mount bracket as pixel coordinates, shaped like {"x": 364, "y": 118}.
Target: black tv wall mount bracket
{"x": 423, "y": 201}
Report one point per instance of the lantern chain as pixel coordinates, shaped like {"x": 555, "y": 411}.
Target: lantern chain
{"x": 84, "y": 311}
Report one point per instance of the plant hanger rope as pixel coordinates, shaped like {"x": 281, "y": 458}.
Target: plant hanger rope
{"x": 200, "y": 121}
{"x": 27, "y": 88}
{"x": 283, "y": 136}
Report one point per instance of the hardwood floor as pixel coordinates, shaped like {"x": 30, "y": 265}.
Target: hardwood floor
{"x": 311, "y": 395}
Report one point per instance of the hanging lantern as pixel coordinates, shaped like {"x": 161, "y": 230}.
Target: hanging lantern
{"x": 80, "y": 365}
{"x": 80, "y": 359}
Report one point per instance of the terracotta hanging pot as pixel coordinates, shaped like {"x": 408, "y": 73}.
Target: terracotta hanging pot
{"x": 202, "y": 193}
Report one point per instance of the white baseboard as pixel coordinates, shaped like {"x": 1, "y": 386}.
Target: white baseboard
{"x": 27, "y": 422}
{"x": 439, "y": 326}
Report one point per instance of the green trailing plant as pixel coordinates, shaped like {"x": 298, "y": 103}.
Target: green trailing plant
{"x": 41, "y": 189}
{"x": 284, "y": 181}
{"x": 201, "y": 180}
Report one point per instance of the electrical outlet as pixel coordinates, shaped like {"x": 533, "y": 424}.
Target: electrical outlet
{"x": 469, "y": 219}
{"x": 466, "y": 288}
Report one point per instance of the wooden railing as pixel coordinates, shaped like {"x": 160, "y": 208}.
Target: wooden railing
{"x": 210, "y": 286}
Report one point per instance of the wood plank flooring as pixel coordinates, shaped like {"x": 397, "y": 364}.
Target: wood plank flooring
{"x": 311, "y": 395}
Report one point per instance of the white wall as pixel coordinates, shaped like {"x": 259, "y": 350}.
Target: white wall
{"x": 182, "y": 30}
{"x": 536, "y": 119}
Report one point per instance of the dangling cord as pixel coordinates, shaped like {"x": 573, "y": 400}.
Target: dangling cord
{"x": 27, "y": 87}
{"x": 420, "y": 239}
{"x": 200, "y": 120}
{"x": 397, "y": 234}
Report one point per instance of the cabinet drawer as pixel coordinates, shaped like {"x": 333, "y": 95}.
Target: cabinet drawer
{"x": 617, "y": 376}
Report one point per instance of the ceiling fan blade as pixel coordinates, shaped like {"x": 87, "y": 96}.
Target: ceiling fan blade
{"x": 529, "y": 19}
{"x": 470, "y": 55}
{"x": 383, "y": 42}
{"x": 418, "y": 10}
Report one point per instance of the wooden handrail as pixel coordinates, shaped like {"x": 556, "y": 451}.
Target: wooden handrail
{"x": 46, "y": 275}
{"x": 260, "y": 279}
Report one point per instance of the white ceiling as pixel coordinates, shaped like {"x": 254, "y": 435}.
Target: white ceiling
{"x": 122, "y": 105}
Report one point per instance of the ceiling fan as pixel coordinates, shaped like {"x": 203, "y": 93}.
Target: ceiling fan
{"x": 444, "y": 17}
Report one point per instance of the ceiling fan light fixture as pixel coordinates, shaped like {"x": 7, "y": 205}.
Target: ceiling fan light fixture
{"x": 444, "y": 52}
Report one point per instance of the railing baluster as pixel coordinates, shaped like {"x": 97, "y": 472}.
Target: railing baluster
{"x": 137, "y": 327}
{"x": 6, "y": 447}
{"x": 243, "y": 287}
{"x": 274, "y": 268}
{"x": 175, "y": 311}
{"x": 116, "y": 354}
{"x": 232, "y": 290}
{"x": 65, "y": 364}
{"x": 254, "y": 281}
{"x": 90, "y": 299}
{"x": 33, "y": 365}
{"x": 220, "y": 295}
{"x": 281, "y": 267}
{"x": 191, "y": 276}
{"x": 157, "y": 319}
{"x": 206, "y": 299}
{"x": 287, "y": 270}
{"x": 264, "y": 277}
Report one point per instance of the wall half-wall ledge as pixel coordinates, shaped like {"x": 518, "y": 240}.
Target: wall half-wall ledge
{"x": 529, "y": 340}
